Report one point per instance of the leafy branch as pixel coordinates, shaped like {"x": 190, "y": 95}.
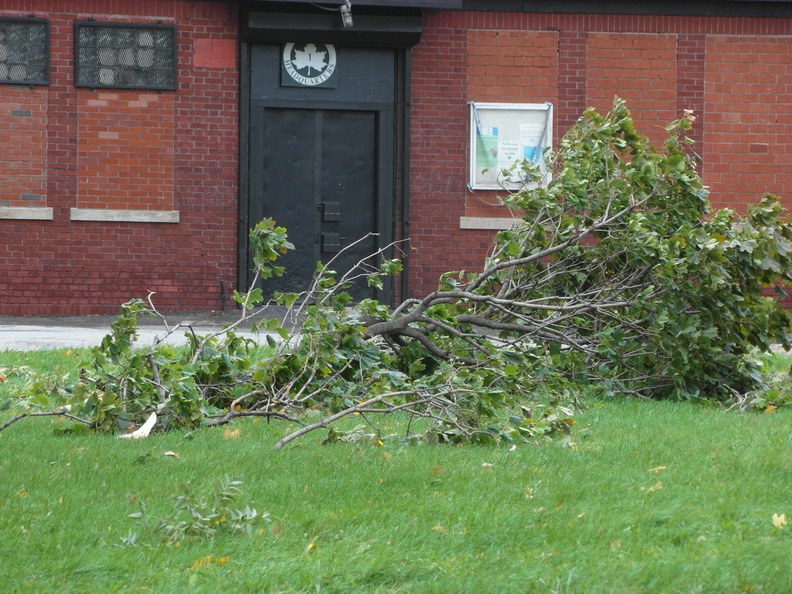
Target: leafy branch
{"x": 614, "y": 279}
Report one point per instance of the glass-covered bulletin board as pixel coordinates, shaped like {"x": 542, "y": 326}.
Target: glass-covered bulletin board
{"x": 504, "y": 133}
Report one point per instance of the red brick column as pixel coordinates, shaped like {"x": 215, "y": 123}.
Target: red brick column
{"x": 572, "y": 64}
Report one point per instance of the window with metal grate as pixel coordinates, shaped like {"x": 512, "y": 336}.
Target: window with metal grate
{"x": 24, "y": 51}
{"x": 125, "y": 56}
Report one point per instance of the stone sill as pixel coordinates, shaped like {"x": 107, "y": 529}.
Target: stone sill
{"x": 487, "y": 223}
{"x": 26, "y": 213}
{"x": 109, "y": 215}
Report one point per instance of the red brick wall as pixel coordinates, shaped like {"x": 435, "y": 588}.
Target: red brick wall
{"x": 513, "y": 66}
{"x": 141, "y": 150}
{"x": 23, "y": 146}
{"x": 748, "y": 130}
{"x": 647, "y": 63}
{"x": 438, "y": 154}
{"x": 125, "y": 150}
{"x": 733, "y": 72}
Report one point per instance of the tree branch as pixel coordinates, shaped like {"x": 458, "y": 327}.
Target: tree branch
{"x": 340, "y": 415}
{"x": 56, "y": 413}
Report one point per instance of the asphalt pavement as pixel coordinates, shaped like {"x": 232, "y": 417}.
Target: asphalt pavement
{"x": 27, "y": 333}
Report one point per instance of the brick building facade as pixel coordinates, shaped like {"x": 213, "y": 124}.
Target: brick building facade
{"x": 735, "y": 72}
{"x": 89, "y": 173}
{"x": 109, "y": 192}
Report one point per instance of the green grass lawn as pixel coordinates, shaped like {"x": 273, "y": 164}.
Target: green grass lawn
{"x": 658, "y": 497}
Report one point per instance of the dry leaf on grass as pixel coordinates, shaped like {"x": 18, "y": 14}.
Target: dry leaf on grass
{"x": 779, "y": 521}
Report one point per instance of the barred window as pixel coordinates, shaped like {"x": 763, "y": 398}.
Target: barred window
{"x": 125, "y": 56}
{"x": 24, "y": 51}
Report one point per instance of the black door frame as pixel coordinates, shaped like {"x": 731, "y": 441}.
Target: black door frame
{"x": 394, "y": 143}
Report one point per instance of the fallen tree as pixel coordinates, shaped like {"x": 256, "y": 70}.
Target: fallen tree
{"x": 614, "y": 279}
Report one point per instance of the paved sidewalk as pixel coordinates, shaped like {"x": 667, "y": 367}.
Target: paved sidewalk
{"x": 29, "y": 333}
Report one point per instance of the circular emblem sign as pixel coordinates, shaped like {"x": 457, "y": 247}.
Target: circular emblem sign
{"x": 308, "y": 65}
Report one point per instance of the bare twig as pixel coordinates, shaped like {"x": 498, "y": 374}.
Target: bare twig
{"x": 339, "y": 415}
{"x": 218, "y": 420}
{"x": 155, "y": 376}
{"x": 56, "y": 413}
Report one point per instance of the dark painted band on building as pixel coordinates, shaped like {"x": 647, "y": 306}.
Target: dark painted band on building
{"x": 736, "y": 8}
{"x": 371, "y": 30}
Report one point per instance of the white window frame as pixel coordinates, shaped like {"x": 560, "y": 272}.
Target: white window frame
{"x": 511, "y": 132}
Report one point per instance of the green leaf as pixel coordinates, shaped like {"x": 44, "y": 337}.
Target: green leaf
{"x": 374, "y": 281}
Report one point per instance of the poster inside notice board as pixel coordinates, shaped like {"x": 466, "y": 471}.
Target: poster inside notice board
{"x": 502, "y": 134}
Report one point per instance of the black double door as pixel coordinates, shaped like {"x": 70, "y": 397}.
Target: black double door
{"x": 322, "y": 162}
{"x": 318, "y": 176}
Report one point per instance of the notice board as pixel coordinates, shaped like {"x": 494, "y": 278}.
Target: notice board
{"x": 502, "y": 134}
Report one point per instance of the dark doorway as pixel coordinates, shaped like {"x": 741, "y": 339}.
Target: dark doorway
{"x": 317, "y": 174}
{"x": 327, "y": 163}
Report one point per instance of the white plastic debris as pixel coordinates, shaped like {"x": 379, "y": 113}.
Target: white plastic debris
{"x": 144, "y": 430}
